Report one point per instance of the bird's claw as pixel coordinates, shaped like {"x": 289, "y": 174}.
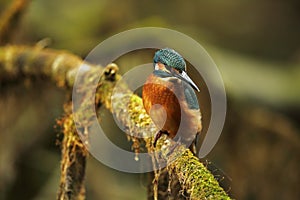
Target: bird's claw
{"x": 158, "y": 135}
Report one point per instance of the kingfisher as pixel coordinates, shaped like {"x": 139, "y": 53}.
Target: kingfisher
{"x": 170, "y": 100}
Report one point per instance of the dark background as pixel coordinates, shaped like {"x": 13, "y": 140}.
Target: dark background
{"x": 256, "y": 46}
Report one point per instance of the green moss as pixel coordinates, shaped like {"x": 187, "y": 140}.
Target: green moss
{"x": 196, "y": 179}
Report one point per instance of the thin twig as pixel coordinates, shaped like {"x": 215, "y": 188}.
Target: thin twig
{"x": 10, "y": 19}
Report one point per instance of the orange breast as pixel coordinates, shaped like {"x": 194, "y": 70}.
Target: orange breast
{"x": 162, "y": 104}
{"x": 165, "y": 102}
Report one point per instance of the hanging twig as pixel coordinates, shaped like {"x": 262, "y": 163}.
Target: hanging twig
{"x": 73, "y": 161}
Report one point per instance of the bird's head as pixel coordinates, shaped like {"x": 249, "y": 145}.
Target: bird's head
{"x": 171, "y": 62}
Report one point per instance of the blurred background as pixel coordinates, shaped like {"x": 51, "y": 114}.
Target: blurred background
{"x": 256, "y": 46}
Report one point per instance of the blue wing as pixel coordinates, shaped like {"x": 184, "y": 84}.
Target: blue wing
{"x": 190, "y": 96}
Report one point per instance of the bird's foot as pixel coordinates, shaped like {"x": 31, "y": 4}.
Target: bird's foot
{"x": 158, "y": 135}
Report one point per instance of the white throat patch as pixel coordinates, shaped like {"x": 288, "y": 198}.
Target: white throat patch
{"x": 156, "y": 67}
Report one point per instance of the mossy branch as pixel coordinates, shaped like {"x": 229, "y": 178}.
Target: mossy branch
{"x": 23, "y": 62}
{"x": 73, "y": 161}
{"x": 61, "y": 67}
{"x": 17, "y": 62}
{"x": 193, "y": 176}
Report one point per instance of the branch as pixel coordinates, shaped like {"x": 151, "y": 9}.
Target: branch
{"x": 73, "y": 160}
{"x": 19, "y": 61}
{"x": 193, "y": 176}
{"x": 61, "y": 67}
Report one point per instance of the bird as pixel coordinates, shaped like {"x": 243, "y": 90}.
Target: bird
{"x": 170, "y": 100}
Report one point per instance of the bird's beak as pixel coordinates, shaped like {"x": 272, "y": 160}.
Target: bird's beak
{"x": 183, "y": 76}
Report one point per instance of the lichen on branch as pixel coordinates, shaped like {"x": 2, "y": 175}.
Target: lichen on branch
{"x": 73, "y": 162}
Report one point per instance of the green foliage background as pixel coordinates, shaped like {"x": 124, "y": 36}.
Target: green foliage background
{"x": 256, "y": 46}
